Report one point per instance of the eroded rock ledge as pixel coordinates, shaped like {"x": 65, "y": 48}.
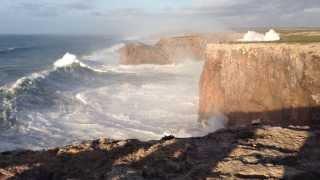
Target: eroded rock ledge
{"x": 276, "y": 84}
{"x": 252, "y": 152}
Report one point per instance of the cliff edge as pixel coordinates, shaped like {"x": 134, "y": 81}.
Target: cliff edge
{"x": 275, "y": 84}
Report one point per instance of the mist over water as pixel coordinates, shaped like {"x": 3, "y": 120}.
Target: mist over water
{"x": 90, "y": 96}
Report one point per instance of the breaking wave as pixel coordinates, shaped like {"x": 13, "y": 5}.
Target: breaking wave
{"x": 93, "y": 96}
{"x": 40, "y": 89}
{"x": 109, "y": 54}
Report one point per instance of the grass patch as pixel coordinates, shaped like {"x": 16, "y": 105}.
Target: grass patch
{"x": 300, "y": 39}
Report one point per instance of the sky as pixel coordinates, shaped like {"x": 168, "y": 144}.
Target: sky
{"x": 136, "y": 17}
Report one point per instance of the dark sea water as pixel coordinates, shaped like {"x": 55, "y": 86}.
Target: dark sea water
{"x": 56, "y": 90}
{"x": 23, "y": 54}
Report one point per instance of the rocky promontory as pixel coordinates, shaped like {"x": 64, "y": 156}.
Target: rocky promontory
{"x": 170, "y": 50}
{"x": 276, "y": 84}
{"x": 241, "y": 153}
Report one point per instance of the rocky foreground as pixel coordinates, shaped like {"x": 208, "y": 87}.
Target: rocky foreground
{"x": 252, "y": 152}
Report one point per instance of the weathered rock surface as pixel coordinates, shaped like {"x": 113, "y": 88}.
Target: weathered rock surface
{"x": 276, "y": 84}
{"x": 252, "y": 152}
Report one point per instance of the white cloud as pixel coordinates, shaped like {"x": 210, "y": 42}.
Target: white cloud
{"x": 312, "y": 10}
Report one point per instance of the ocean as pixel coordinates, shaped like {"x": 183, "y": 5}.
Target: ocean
{"x": 57, "y": 90}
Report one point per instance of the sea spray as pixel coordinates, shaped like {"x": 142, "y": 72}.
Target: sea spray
{"x": 7, "y": 109}
{"x": 252, "y": 36}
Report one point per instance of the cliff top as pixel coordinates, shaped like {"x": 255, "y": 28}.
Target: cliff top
{"x": 311, "y": 48}
{"x": 237, "y": 46}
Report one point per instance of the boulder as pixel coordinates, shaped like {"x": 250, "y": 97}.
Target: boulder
{"x": 276, "y": 84}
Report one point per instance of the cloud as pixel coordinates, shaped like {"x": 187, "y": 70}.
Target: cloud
{"x": 225, "y": 8}
{"x": 37, "y": 9}
{"x": 258, "y": 12}
{"x": 212, "y": 15}
{"x": 163, "y": 15}
{"x": 50, "y": 8}
{"x": 80, "y": 5}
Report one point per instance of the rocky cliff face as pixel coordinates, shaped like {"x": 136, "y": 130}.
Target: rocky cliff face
{"x": 242, "y": 153}
{"x": 139, "y": 53}
{"x": 276, "y": 84}
{"x": 171, "y": 50}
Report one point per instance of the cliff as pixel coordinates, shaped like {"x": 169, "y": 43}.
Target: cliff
{"x": 172, "y": 49}
{"x": 242, "y": 153}
{"x": 275, "y": 84}
{"x": 139, "y": 53}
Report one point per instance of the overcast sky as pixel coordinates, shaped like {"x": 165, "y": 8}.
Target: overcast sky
{"x": 140, "y": 16}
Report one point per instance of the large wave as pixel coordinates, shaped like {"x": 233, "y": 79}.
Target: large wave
{"x": 92, "y": 97}
{"x": 12, "y": 49}
{"x": 42, "y": 89}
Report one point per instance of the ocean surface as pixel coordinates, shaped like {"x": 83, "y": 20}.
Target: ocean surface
{"x": 56, "y": 90}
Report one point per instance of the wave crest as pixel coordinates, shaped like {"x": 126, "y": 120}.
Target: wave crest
{"x": 39, "y": 90}
{"x": 11, "y": 49}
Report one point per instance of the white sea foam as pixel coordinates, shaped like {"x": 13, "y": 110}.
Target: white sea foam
{"x": 28, "y": 80}
{"x": 144, "y": 102}
{"x": 70, "y": 60}
{"x": 67, "y": 60}
{"x": 81, "y": 98}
